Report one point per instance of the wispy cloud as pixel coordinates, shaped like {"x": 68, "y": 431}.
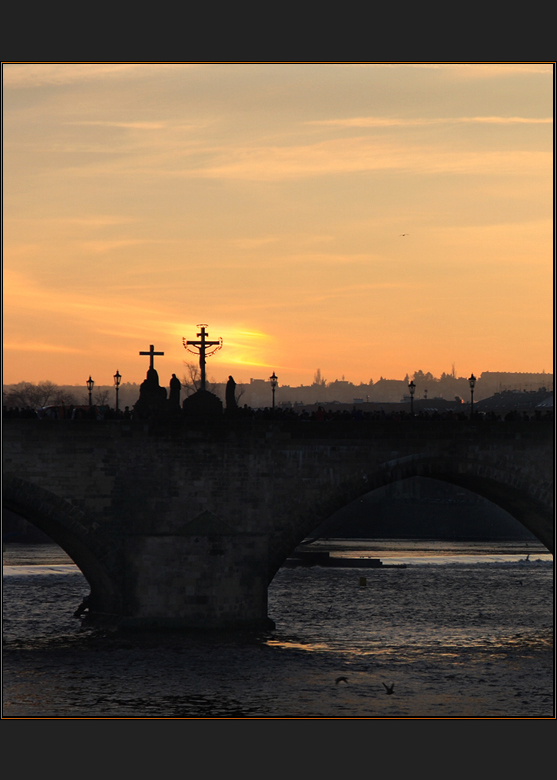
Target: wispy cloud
{"x": 100, "y": 247}
{"x": 140, "y": 125}
{"x": 352, "y": 291}
{"x": 253, "y": 243}
{"x": 375, "y": 121}
{"x": 464, "y": 69}
{"x": 93, "y": 221}
{"x": 21, "y": 294}
{"x": 132, "y": 125}
{"x": 35, "y": 74}
{"x": 39, "y": 346}
{"x": 363, "y": 154}
{"x": 170, "y": 153}
{"x": 324, "y": 259}
{"x": 22, "y": 75}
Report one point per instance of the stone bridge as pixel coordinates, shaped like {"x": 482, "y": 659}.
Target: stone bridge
{"x": 185, "y": 524}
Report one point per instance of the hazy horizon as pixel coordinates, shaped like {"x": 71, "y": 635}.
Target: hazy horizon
{"x": 432, "y": 378}
{"x": 502, "y": 381}
{"x": 366, "y": 218}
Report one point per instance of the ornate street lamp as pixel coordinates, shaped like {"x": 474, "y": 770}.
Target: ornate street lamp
{"x": 90, "y": 384}
{"x": 274, "y": 382}
{"x": 412, "y": 388}
{"x": 472, "y": 382}
{"x": 117, "y": 380}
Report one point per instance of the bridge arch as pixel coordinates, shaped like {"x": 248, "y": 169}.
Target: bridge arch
{"x": 68, "y": 526}
{"x": 529, "y": 501}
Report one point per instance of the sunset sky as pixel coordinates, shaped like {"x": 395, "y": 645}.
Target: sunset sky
{"x": 365, "y": 219}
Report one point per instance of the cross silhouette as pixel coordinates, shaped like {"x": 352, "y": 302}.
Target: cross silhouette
{"x": 201, "y": 346}
{"x": 151, "y": 354}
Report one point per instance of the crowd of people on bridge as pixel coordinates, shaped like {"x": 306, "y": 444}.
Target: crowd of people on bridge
{"x": 67, "y": 412}
{"x": 326, "y": 415}
{"x": 319, "y": 415}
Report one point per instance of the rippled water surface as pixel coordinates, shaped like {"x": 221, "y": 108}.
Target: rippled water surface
{"x": 461, "y": 631}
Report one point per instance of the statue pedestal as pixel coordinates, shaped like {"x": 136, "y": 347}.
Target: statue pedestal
{"x": 202, "y": 404}
{"x": 152, "y": 397}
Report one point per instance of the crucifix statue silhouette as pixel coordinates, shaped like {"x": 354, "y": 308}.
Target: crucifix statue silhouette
{"x": 202, "y": 347}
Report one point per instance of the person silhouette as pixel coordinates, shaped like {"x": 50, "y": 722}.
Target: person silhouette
{"x": 174, "y": 396}
{"x": 231, "y": 404}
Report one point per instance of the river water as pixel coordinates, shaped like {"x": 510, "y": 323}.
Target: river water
{"x": 462, "y": 630}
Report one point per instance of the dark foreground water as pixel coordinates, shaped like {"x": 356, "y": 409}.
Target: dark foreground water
{"x": 462, "y": 631}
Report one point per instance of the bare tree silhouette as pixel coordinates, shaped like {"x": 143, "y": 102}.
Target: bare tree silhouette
{"x": 100, "y": 397}
{"x": 27, "y": 394}
{"x": 191, "y": 380}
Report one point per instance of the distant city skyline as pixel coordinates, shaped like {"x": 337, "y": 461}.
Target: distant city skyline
{"x": 365, "y": 218}
{"x": 256, "y": 393}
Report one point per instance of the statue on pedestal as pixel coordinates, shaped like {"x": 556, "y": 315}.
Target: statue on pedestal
{"x": 152, "y": 397}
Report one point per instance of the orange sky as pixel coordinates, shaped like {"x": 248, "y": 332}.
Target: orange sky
{"x": 269, "y": 201}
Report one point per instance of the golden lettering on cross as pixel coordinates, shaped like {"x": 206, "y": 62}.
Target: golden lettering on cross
{"x": 205, "y": 349}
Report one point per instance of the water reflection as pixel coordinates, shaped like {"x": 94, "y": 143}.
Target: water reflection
{"x": 461, "y": 640}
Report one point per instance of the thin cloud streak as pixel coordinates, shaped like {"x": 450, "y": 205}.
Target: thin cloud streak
{"x": 100, "y": 221}
{"x": 27, "y": 75}
{"x": 42, "y": 346}
{"x": 158, "y": 125}
{"x": 341, "y": 156}
{"x": 17, "y": 75}
{"x": 21, "y": 293}
{"x": 127, "y": 125}
{"x": 475, "y": 70}
{"x": 375, "y": 121}
{"x": 176, "y": 157}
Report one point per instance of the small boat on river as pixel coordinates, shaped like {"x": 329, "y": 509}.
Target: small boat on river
{"x": 321, "y": 558}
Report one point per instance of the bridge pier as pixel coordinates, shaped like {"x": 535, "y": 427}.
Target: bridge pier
{"x": 207, "y": 577}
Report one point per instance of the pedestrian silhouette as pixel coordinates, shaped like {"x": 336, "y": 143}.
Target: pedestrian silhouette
{"x": 174, "y": 396}
{"x": 231, "y": 404}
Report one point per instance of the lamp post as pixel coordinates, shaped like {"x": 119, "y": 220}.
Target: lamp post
{"x": 412, "y": 388}
{"x": 274, "y": 382}
{"x": 472, "y": 382}
{"x": 90, "y": 384}
{"x": 117, "y": 380}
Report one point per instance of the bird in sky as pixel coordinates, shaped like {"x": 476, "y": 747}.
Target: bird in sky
{"x": 404, "y": 234}
{"x": 341, "y": 679}
{"x": 389, "y": 688}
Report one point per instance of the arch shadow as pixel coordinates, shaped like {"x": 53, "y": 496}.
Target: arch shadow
{"x": 90, "y": 549}
{"x": 529, "y": 503}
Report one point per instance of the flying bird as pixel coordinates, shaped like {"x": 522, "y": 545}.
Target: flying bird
{"x": 404, "y": 234}
{"x": 389, "y": 688}
{"x": 341, "y": 679}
